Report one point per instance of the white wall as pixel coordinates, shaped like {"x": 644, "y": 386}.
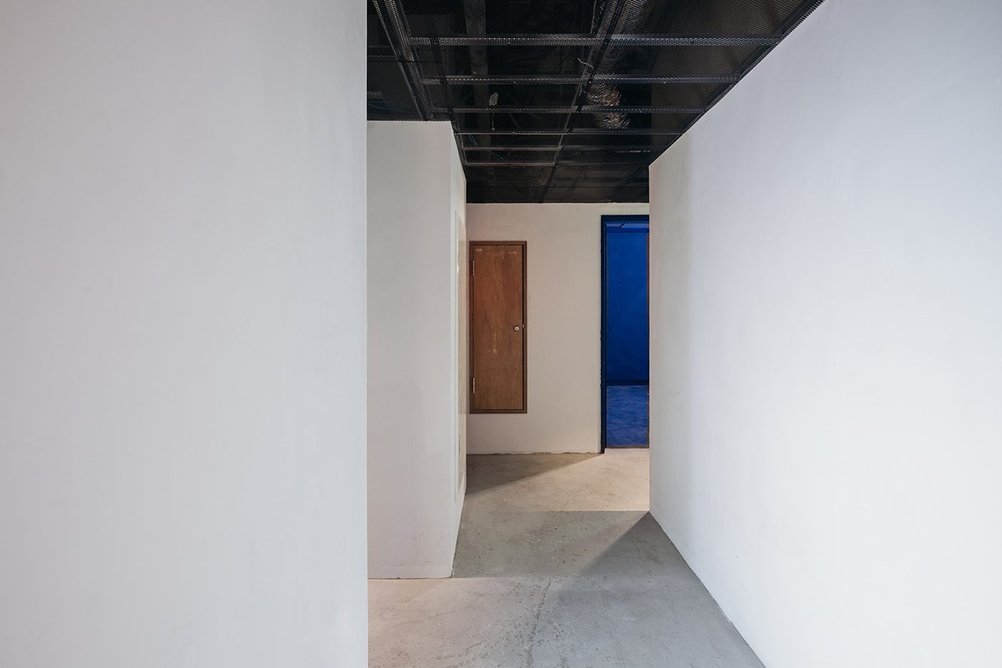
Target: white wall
{"x": 461, "y": 323}
{"x": 563, "y": 324}
{"x": 826, "y": 362}
{"x": 417, "y": 198}
{"x": 182, "y": 349}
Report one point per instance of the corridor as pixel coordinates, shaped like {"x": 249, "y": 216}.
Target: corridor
{"x": 558, "y": 564}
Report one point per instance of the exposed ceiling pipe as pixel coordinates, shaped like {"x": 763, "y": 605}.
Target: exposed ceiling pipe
{"x": 602, "y": 92}
{"x": 609, "y": 19}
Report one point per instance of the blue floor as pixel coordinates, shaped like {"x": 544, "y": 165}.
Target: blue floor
{"x": 626, "y": 416}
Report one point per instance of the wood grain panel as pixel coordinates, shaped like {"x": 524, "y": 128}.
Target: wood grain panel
{"x": 497, "y": 327}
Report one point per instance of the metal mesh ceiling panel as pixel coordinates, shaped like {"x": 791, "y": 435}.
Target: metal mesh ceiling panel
{"x": 565, "y": 100}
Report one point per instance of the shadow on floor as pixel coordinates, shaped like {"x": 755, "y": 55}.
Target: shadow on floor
{"x": 487, "y": 471}
{"x": 601, "y": 588}
{"x": 566, "y": 544}
{"x": 556, "y": 565}
{"x": 546, "y": 544}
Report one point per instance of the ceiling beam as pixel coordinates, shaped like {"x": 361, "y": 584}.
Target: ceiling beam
{"x": 591, "y": 184}
{"x": 581, "y": 109}
{"x": 619, "y": 39}
{"x": 560, "y": 132}
{"x": 555, "y": 163}
{"x": 645, "y": 148}
{"x": 520, "y": 79}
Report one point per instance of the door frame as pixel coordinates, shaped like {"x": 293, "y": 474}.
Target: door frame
{"x": 603, "y": 387}
{"x": 525, "y": 326}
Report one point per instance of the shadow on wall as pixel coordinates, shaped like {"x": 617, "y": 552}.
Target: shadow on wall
{"x": 670, "y": 278}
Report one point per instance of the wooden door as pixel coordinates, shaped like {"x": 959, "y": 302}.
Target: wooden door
{"x": 497, "y": 327}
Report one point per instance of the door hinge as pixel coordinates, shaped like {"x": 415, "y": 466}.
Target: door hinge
{"x": 473, "y": 265}
{"x": 474, "y": 379}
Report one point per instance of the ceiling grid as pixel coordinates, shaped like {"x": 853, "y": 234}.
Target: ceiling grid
{"x": 565, "y": 100}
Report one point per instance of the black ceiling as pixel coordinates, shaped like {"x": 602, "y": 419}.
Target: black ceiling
{"x": 565, "y": 100}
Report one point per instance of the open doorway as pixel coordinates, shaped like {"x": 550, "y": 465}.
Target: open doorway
{"x": 625, "y": 332}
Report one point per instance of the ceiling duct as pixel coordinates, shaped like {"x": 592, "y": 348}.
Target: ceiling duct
{"x": 602, "y": 92}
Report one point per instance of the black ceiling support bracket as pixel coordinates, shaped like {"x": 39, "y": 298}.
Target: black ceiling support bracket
{"x": 394, "y": 23}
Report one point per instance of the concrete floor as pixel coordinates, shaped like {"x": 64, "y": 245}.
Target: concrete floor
{"x": 558, "y": 564}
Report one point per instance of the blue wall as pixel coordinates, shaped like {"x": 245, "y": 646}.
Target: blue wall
{"x": 626, "y": 327}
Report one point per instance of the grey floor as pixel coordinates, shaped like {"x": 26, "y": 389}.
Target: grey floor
{"x": 558, "y": 564}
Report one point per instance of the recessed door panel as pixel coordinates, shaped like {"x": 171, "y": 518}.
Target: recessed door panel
{"x": 497, "y": 327}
